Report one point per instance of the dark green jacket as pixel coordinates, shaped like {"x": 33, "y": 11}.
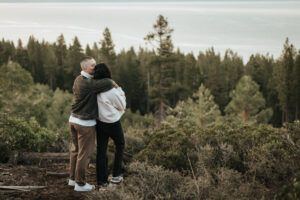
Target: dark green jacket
{"x": 85, "y": 91}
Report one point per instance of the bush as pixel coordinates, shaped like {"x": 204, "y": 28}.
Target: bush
{"x": 17, "y": 134}
{"x": 262, "y": 157}
{"x": 290, "y": 191}
{"x": 150, "y": 182}
{"x": 170, "y": 147}
{"x": 130, "y": 119}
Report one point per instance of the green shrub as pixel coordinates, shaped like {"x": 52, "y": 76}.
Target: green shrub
{"x": 290, "y": 191}
{"x": 265, "y": 158}
{"x": 170, "y": 147}
{"x": 17, "y": 134}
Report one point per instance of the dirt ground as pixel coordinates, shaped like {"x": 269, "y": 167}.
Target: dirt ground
{"x": 33, "y": 175}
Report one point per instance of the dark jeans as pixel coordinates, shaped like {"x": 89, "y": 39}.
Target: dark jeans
{"x": 104, "y": 132}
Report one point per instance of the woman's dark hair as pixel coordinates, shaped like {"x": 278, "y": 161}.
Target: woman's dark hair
{"x": 102, "y": 71}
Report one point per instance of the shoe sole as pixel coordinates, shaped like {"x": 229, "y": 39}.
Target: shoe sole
{"x": 83, "y": 190}
{"x": 116, "y": 182}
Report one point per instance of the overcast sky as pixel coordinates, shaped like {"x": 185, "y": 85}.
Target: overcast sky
{"x": 247, "y": 27}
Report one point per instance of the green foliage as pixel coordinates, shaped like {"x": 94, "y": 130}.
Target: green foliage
{"x": 290, "y": 191}
{"x": 15, "y": 82}
{"x": 73, "y": 57}
{"x": 201, "y": 110}
{"x": 130, "y": 119}
{"x": 129, "y": 75}
{"x": 58, "y": 113}
{"x": 296, "y": 88}
{"x": 220, "y": 76}
{"x": 285, "y": 82}
{"x": 18, "y": 134}
{"x": 247, "y": 102}
{"x": 230, "y": 161}
{"x": 36, "y": 103}
{"x": 161, "y": 39}
{"x": 7, "y": 51}
{"x": 107, "y": 51}
{"x": 20, "y": 97}
{"x": 169, "y": 146}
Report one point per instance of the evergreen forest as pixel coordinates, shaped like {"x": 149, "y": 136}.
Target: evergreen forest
{"x": 200, "y": 126}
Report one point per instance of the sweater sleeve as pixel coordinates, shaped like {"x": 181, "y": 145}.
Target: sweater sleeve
{"x": 120, "y": 100}
{"x": 101, "y": 85}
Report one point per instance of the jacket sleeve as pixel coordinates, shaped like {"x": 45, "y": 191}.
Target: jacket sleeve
{"x": 119, "y": 101}
{"x": 102, "y": 85}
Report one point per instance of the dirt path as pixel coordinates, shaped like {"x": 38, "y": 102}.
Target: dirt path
{"x": 29, "y": 175}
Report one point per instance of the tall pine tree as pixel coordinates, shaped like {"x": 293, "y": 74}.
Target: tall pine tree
{"x": 61, "y": 54}
{"x": 296, "y": 79}
{"x": 107, "y": 50}
{"x": 161, "y": 39}
{"x": 74, "y": 55}
{"x": 284, "y": 79}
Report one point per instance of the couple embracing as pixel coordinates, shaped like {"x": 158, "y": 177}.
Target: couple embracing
{"x": 98, "y": 104}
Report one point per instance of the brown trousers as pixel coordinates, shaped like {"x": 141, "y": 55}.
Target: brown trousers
{"x": 83, "y": 143}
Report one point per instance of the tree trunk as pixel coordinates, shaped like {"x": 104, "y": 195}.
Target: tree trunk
{"x": 148, "y": 91}
{"x": 245, "y": 113}
{"x": 38, "y": 158}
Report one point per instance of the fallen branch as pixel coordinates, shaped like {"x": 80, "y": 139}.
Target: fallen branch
{"x": 21, "y": 188}
{"x": 56, "y": 174}
{"x": 37, "y": 158}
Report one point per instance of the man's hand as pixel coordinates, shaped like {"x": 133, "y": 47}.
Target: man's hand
{"x": 116, "y": 85}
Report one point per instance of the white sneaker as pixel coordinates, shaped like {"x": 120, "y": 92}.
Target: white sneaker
{"x": 85, "y": 188}
{"x": 71, "y": 182}
{"x": 111, "y": 185}
{"x": 117, "y": 179}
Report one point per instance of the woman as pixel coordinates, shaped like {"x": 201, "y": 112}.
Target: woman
{"x": 111, "y": 106}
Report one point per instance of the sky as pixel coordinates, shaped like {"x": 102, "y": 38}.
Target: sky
{"x": 246, "y": 27}
{"x": 84, "y": 1}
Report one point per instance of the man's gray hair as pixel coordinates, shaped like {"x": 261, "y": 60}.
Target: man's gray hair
{"x": 85, "y": 61}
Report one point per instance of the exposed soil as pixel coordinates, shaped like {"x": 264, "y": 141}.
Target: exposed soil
{"x": 33, "y": 175}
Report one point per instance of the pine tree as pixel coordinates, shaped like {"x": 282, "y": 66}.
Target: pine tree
{"x": 74, "y": 55}
{"x": 49, "y": 64}
{"x": 260, "y": 68}
{"x": 296, "y": 79}
{"x": 283, "y": 76}
{"x": 88, "y": 50}
{"x": 21, "y": 56}
{"x": 212, "y": 74}
{"x": 96, "y": 52}
{"x": 7, "y": 51}
{"x": 36, "y": 60}
{"x": 231, "y": 71}
{"x": 161, "y": 39}
{"x": 92, "y": 51}
{"x": 145, "y": 61}
{"x": 129, "y": 76}
{"x": 247, "y": 102}
{"x": 61, "y": 54}
{"x": 191, "y": 73}
{"x": 178, "y": 89}
{"x": 107, "y": 50}
{"x": 200, "y": 110}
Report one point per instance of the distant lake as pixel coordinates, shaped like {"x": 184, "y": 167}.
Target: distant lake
{"x": 245, "y": 27}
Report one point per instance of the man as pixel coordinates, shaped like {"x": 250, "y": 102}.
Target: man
{"x": 83, "y": 120}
